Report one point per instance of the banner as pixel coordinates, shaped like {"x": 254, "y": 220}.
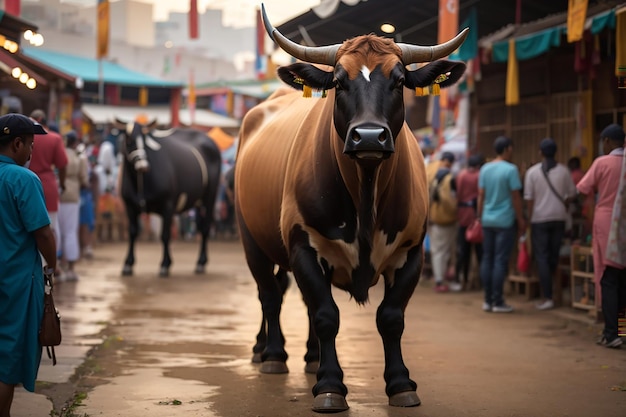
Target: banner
{"x": 512, "y": 77}
{"x": 448, "y": 20}
{"x": 102, "y": 49}
{"x": 191, "y": 98}
{"x": 261, "y": 61}
{"x": 193, "y": 19}
{"x": 13, "y": 7}
{"x": 576, "y": 15}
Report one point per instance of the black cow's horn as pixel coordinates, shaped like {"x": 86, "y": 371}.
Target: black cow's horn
{"x": 412, "y": 54}
{"x": 313, "y": 54}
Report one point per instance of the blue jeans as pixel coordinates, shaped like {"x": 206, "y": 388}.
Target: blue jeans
{"x": 497, "y": 246}
{"x": 546, "y": 242}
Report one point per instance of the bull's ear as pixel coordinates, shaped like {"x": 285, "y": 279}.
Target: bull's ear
{"x": 425, "y": 76}
{"x": 300, "y": 74}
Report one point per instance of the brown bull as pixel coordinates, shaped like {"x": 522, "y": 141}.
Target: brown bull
{"x": 335, "y": 191}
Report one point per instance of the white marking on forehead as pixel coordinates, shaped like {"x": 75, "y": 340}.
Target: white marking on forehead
{"x": 366, "y": 73}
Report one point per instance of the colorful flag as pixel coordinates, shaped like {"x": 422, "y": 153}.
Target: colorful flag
{"x": 191, "y": 97}
{"x": 13, "y": 7}
{"x": 260, "y": 64}
{"x": 143, "y": 96}
{"x": 448, "y": 20}
{"x": 102, "y": 48}
{"x": 193, "y": 19}
{"x": 576, "y": 15}
{"x": 512, "y": 77}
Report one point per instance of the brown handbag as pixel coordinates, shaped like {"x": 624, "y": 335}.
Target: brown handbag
{"x": 50, "y": 329}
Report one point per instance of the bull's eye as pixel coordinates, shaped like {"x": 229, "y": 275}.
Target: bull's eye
{"x": 400, "y": 83}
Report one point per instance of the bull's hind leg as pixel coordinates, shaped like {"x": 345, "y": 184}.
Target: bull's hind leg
{"x": 400, "y": 389}
{"x": 133, "y": 232}
{"x": 261, "y": 337}
{"x": 166, "y": 233}
{"x": 203, "y": 225}
{"x": 271, "y": 289}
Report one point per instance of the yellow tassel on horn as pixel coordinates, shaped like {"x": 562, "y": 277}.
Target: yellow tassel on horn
{"x": 306, "y": 91}
{"x": 419, "y": 92}
{"x": 435, "y": 90}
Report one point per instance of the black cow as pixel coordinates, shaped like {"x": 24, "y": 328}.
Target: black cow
{"x": 168, "y": 172}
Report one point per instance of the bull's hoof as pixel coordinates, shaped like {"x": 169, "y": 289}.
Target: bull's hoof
{"x": 311, "y": 367}
{"x": 405, "y": 399}
{"x": 199, "y": 269}
{"x": 127, "y": 271}
{"x": 164, "y": 272}
{"x": 256, "y": 358}
{"x": 274, "y": 367}
{"x": 329, "y": 402}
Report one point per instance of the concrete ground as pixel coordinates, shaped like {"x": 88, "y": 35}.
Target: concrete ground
{"x": 143, "y": 345}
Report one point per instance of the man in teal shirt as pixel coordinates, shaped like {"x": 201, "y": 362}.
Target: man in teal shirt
{"x": 500, "y": 213}
{"x": 24, "y": 233}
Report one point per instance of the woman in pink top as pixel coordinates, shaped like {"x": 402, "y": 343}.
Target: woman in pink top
{"x": 467, "y": 197}
{"x": 603, "y": 178}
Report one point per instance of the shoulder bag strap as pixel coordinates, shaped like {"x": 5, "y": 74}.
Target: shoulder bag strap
{"x": 545, "y": 174}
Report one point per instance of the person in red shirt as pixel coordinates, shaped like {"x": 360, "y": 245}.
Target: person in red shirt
{"x": 48, "y": 155}
{"x": 467, "y": 197}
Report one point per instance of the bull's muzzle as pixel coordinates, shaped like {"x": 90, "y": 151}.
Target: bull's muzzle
{"x": 369, "y": 143}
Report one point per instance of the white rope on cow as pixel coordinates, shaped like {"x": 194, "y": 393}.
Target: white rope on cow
{"x": 203, "y": 167}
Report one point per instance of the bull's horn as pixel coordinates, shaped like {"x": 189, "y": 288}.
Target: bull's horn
{"x": 414, "y": 53}
{"x": 312, "y": 54}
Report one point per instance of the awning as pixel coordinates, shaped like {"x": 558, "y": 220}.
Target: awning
{"x": 261, "y": 90}
{"x": 10, "y": 62}
{"x": 103, "y": 113}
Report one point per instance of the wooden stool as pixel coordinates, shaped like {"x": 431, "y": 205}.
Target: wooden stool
{"x": 527, "y": 285}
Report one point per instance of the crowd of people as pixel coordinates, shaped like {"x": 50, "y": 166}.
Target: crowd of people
{"x": 539, "y": 206}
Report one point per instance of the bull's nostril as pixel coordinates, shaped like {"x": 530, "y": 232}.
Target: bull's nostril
{"x": 382, "y": 137}
{"x": 355, "y": 136}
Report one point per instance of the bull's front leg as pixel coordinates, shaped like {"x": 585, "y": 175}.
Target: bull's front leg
{"x": 400, "y": 389}
{"x": 166, "y": 233}
{"x": 133, "y": 231}
{"x": 315, "y": 284}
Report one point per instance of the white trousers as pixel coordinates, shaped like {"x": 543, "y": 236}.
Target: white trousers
{"x": 442, "y": 240}
{"x": 69, "y": 216}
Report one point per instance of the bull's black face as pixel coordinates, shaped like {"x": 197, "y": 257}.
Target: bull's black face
{"x": 369, "y": 111}
{"x": 369, "y": 103}
{"x": 133, "y": 140}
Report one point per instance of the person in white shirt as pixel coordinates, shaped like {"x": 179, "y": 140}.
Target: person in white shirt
{"x": 548, "y": 190}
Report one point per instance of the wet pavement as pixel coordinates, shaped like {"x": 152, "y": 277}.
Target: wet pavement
{"x": 182, "y": 346}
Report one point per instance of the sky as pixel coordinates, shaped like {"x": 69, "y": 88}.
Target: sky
{"x": 237, "y": 13}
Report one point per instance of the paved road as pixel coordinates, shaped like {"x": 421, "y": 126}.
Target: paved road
{"x": 182, "y": 346}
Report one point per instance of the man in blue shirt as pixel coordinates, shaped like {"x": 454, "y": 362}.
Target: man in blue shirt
{"x": 500, "y": 213}
{"x": 24, "y": 233}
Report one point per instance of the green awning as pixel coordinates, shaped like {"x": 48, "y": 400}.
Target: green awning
{"x": 533, "y": 45}
{"x": 530, "y": 46}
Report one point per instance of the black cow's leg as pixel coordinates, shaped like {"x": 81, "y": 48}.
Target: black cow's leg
{"x": 166, "y": 233}
{"x": 273, "y": 356}
{"x": 315, "y": 285}
{"x": 312, "y": 355}
{"x": 400, "y": 389}
{"x": 203, "y": 225}
{"x": 133, "y": 232}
